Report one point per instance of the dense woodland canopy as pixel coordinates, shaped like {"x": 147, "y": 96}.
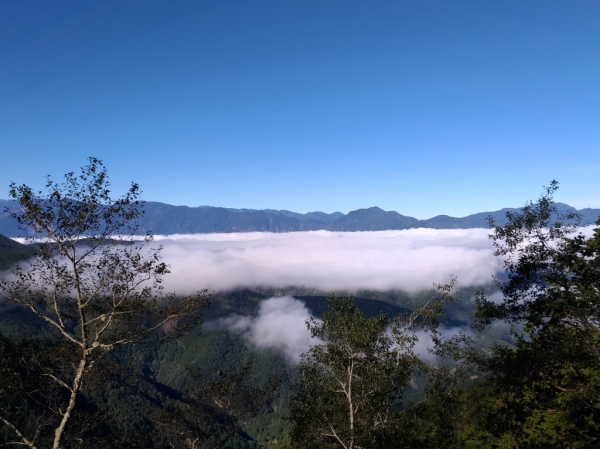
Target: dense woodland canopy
{"x": 94, "y": 352}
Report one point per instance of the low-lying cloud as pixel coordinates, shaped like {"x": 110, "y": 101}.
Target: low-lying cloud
{"x": 279, "y": 325}
{"x": 425, "y": 345}
{"x": 409, "y": 260}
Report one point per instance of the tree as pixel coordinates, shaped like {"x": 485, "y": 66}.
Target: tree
{"x": 542, "y": 389}
{"x": 93, "y": 282}
{"x": 547, "y": 384}
{"x": 352, "y": 382}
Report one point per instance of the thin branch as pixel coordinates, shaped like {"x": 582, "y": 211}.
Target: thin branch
{"x": 25, "y": 441}
{"x": 55, "y": 324}
{"x": 58, "y": 381}
{"x": 56, "y": 309}
{"x": 335, "y": 435}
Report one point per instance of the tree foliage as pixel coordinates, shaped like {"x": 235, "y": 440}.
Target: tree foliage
{"x": 352, "y": 384}
{"x": 541, "y": 390}
{"x": 549, "y": 381}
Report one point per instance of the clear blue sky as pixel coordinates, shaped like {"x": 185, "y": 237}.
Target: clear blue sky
{"x": 424, "y": 107}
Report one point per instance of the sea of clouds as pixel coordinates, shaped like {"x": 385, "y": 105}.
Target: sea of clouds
{"x": 409, "y": 260}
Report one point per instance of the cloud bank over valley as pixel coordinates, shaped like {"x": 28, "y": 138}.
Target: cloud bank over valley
{"x": 409, "y": 260}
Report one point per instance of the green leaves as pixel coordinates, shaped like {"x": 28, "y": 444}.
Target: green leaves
{"x": 352, "y": 384}
{"x": 546, "y": 386}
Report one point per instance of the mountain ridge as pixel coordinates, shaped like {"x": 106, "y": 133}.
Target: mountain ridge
{"x": 162, "y": 218}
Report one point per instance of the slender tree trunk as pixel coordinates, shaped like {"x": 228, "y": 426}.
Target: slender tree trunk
{"x": 350, "y": 405}
{"x": 75, "y": 389}
{"x": 78, "y": 381}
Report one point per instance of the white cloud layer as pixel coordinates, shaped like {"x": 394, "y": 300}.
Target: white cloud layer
{"x": 280, "y": 325}
{"x": 409, "y": 260}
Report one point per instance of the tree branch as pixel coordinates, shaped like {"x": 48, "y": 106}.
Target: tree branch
{"x": 25, "y": 441}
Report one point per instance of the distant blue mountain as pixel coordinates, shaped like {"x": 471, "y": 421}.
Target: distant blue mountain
{"x": 372, "y": 219}
{"x": 319, "y": 216}
{"x": 163, "y": 218}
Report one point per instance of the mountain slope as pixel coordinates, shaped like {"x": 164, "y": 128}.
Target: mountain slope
{"x": 12, "y": 252}
{"x": 163, "y": 218}
{"x": 166, "y": 219}
{"x": 372, "y": 219}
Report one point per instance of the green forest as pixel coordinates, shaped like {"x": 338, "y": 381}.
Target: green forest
{"x": 94, "y": 352}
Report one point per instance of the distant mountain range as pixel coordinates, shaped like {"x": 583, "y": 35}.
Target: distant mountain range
{"x": 163, "y": 218}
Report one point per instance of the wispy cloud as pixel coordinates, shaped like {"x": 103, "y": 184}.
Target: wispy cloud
{"x": 279, "y": 325}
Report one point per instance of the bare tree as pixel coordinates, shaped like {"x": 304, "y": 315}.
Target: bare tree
{"x": 93, "y": 280}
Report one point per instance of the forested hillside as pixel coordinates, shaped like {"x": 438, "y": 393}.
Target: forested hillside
{"x": 140, "y": 381}
{"x": 12, "y": 252}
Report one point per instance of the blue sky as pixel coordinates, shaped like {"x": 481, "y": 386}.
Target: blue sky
{"x": 426, "y": 108}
